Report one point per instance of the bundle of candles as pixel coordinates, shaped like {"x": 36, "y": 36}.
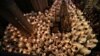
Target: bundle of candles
{"x": 78, "y": 42}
